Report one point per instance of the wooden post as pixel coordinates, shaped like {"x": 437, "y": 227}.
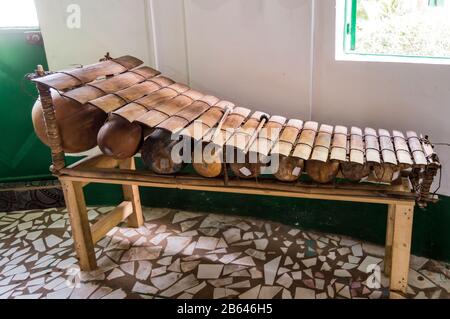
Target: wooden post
{"x": 54, "y": 137}
{"x": 389, "y": 239}
{"x": 81, "y": 230}
{"x": 401, "y": 246}
{"x": 131, "y": 193}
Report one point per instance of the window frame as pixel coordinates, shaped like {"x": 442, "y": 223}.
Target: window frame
{"x": 349, "y": 42}
{"x": 29, "y": 27}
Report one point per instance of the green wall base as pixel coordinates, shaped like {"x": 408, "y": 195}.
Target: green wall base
{"x": 22, "y": 155}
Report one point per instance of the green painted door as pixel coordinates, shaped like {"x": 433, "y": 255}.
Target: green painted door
{"x": 22, "y": 155}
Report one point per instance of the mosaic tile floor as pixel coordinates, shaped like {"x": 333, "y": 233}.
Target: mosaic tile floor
{"x": 186, "y": 255}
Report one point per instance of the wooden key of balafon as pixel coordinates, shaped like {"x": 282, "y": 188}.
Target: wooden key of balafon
{"x": 210, "y": 164}
{"x": 208, "y": 157}
{"x": 289, "y": 167}
{"x": 261, "y": 148}
{"x": 305, "y": 143}
{"x": 201, "y": 127}
{"x": 388, "y": 171}
{"x": 402, "y": 150}
{"x": 244, "y": 166}
{"x": 319, "y": 167}
{"x": 415, "y": 145}
{"x": 356, "y": 168}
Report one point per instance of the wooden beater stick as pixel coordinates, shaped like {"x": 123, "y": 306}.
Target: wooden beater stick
{"x": 264, "y": 119}
{"x": 222, "y": 121}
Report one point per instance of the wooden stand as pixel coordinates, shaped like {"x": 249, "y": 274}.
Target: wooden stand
{"x": 104, "y": 170}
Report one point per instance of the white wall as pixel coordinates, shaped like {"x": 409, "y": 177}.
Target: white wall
{"x": 117, "y": 26}
{"x": 239, "y": 50}
{"x": 257, "y": 53}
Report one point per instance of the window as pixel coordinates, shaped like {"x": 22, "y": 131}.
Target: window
{"x": 18, "y": 14}
{"x": 394, "y": 30}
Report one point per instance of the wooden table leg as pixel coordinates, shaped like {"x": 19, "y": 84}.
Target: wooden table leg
{"x": 401, "y": 247}
{"x": 389, "y": 240}
{"x": 131, "y": 193}
{"x": 81, "y": 230}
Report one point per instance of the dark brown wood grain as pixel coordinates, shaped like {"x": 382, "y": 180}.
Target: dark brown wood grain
{"x": 78, "y": 124}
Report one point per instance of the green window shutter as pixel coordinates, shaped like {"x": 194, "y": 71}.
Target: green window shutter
{"x": 353, "y": 26}
{"x": 436, "y": 3}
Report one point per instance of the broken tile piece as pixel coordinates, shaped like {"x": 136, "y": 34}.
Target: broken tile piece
{"x": 83, "y": 291}
{"x": 226, "y": 259}
{"x": 270, "y": 270}
{"x": 166, "y": 261}
{"x": 269, "y": 292}
{"x": 228, "y": 269}
{"x": 309, "y": 262}
{"x": 39, "y": 245}
{"x": 176, "y": 245}
{"x": 52, "y": 240}
{"x": 242, "y": 273}
{"x": 357, "y": 250}
{"x": 159, "y": 238}
{"x": 209, "y": 271}
{"x": 144, "y": 289}
{"x": 116, "y": 294}
{"x": 232, "y": 235}
{"x": 342, "y": 273}
{"x": 128, "y": 268}
{"x": 144, "y": 270}
{"x": 175, "y": 266}
{"x": 304, "y": 293}
{"x": 182, "y": 216}
{"x": 437, "y": 278}
{"x": 189, "y": 265}
{"x": 182, "y": 285}
{"x": 220, "y": 293}
{"x": 189, "y": 250}
{"x": 165, "y": 281}
{"x": 240, "y": 285}
{"x": 116, "y": 273}
{"x": 158, "y": 271}
{"x": 195, "y": 290}
{"x": 255, "y": 273}
{"x": 33, "y": 235}
{"x": 285, "y": 280}
{"x": 251, "y": 293}
{"x": 368, "y": 261}
{"x": 297, "y": 275}
{"x": 188, "y": 225}
{"x": 142, "y": 253}
{"x": 222, "y": 244}
{"x": 248, "y": 235}
{"x": 415, "y": 279}
{"x": 221, "y": 282}
{"x": 207, "y": 243}
{"x": 256, "y": 254}
{"x": 24, "y": 226}
{"x": 294, "y": 232}
{"x": 244, "y": 261}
